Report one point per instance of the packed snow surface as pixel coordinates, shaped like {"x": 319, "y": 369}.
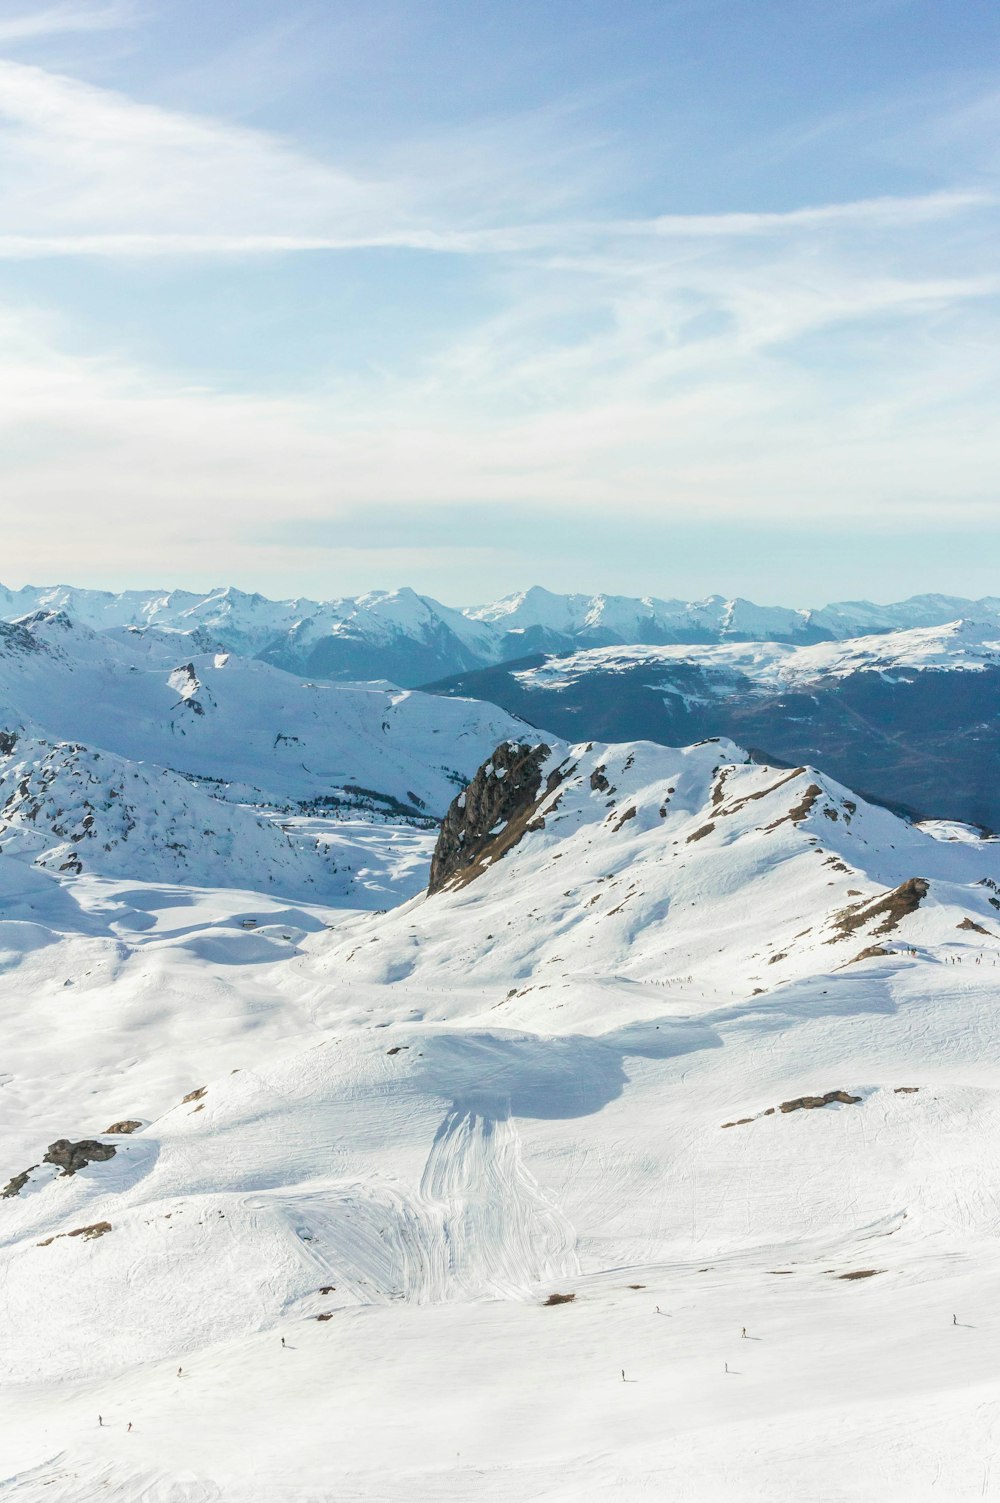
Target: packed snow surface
{"x": 476, "y": 1198}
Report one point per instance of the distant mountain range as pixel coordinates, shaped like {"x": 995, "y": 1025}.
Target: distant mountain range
{"x": 412, "y": 639}
{"x": 901, "y": 701}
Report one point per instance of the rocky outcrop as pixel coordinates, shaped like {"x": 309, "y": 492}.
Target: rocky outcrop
{"x": 810, "y": 1103}
{"x": 799, "y": 1104}
{"x": 16, "y": 1185}
{"x": 890, "y": 909}
{"x": 69, "y": 1157}
{"x": 88, "y": 1233}
{"x": 492, "y": 814}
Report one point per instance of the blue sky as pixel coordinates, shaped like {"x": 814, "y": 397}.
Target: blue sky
{"x": 669, "y": 298}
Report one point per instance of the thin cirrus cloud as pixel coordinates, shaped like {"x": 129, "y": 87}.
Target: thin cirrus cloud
{"x": 828, "y": 359}
{"x": 87, "y": 170}
{"x": 54, "y": 20}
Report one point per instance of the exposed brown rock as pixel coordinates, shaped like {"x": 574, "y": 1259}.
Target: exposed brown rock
{"x": 492, "y": 814}
{"x": 801, "y": 1103}
{"x": 559, "y": 1299}
{"x": 798, "y": 811}
{"x": 809, "y": 1103}
{"x": 967, "y": 923}
{"x": 97, "y": 1229}
{"x": 194, "y": 1095}
{"x": 123, "y": 1127}
{"x": 16, "y": 1185}
{"x": 70, "y": 1157}
{"x": 871, "y": 953}
{"x": 88, "y": 1233}
{"x": 891, "y": 909}
{"x": 751, "y": 798}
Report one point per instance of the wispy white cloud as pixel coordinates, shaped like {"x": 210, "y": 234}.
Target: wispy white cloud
{"x": 90, "y": 171}
{"x": 675, "y": 365}
{"x": 71, "y": 16}
{"x": 83, "y": 161}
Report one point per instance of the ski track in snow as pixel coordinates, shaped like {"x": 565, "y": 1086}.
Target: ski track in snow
{"x": 60, "y": 1479}
{"x": 477, "y": 1227}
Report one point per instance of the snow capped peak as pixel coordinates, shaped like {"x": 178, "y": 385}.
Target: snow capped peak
{"x": 405, "y": 637}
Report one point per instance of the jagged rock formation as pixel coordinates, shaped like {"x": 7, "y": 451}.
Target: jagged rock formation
{"x": 490, "y": 816}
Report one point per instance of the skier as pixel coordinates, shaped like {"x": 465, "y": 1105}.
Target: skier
{"x": 128, "y": 1427}
{"x": 954, "y": 1320}
{"x": 100, "y": 1419}
{"x": 743, "y": 1333}
{"x": 282, "y": 1340}
{"x": 179, "y": 1371}
{"x": 623, "y": 1375}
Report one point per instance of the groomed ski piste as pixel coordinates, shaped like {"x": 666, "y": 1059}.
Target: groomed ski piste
{"x": 475, "y": 1198}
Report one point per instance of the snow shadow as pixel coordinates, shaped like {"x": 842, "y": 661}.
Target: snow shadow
{"x": 850, "y": 994}
{"x": 496, "y": 1075}
{"x": 235, "y": 948}
{"x": 152, "y": 899}
{"x": 500, "y": 1074}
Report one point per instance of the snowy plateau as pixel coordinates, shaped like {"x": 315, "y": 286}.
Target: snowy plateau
{"x": 400, "y": 1103}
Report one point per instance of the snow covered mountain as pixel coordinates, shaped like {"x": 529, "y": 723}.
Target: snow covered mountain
{"x": 118, "y": 758}
{"x": 411, "y": 639}
{"x": 479, "y": 1197}
{"x": 911, "y": 718}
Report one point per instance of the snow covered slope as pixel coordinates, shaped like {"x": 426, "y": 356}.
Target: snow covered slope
{"x": 680, "y": 1047}
{"x": 412, "y": 639}
{"x": 239, "y": 721}
{"x": 693, "y": 863}
{"x": 118, "y": 758}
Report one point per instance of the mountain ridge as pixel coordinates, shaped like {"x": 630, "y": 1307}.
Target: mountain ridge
{"x": 412, "y": 639}
{"x": 911, "y": 719}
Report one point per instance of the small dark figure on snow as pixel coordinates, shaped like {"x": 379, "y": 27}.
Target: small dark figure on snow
{"x": 282, "y": 1340}
{"x": 623, "y": 1375}
{"x": 954, "y": 1320}
{"x": 743, "y": 1333}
